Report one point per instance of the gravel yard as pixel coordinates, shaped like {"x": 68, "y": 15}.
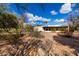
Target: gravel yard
{"x": 51, "y": 44}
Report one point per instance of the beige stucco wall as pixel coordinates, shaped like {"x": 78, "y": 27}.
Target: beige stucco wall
{"x": 38, "y": 28}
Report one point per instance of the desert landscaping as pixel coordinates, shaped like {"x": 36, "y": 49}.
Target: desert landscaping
{"x": 48, "y": 44}
{"x": 39, "y": 29}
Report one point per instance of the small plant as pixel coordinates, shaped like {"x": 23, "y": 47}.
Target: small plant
{"x": 14, "y": 39}
{"x": 36, "y": 34}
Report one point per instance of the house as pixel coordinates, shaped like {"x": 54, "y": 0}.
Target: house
{"x": 50, "y": 28}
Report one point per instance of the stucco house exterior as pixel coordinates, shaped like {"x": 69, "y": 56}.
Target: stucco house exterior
{"x": 50, "y": 28}
{"x": 39, "y": 28}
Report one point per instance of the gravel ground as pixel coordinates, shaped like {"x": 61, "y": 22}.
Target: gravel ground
{"x": 50, "y": 45}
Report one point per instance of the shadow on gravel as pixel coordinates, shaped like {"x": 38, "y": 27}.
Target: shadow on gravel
{"x": 69, "y": 41}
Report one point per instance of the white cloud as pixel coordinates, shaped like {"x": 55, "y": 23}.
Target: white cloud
{"x": 73, "y": 5}
{"x": 53, "y": 12}
{"x": 31, "y": 17}
{"x": 54, "y": 25}
{"x": 77, "y": 11}
{"x": 66, "y": 8}
{"x": 59, "y": 20}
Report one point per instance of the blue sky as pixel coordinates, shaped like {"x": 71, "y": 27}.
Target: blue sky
{"x": 38, "y": 13}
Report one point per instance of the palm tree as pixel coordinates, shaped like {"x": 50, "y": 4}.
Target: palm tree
{"x": 45, "y": 22}
{"x": 22, "y": 8}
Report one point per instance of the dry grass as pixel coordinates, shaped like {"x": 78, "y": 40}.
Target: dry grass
{"x": 49, "y": 45}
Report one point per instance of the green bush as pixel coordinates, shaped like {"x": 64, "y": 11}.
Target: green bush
{"x": 11, "y": 38}
{"x": 29, "y": 28}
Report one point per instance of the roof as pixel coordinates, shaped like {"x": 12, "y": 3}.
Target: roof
{"x": 56, "y": 26}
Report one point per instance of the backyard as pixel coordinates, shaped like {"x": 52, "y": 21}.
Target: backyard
{"x": 35, "y": 29}
{"x": 49, "y": 43}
